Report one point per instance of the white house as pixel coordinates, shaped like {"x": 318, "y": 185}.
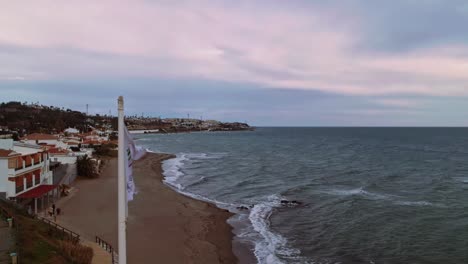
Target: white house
{"x": 62, "y": 155}
{"x": 72, "y": 131}
{"x": 24, "y": 171}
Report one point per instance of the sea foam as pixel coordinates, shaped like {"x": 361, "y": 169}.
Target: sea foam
{"x": 173, "y": 170}
{"x": 271, "y": 244}
{"x": 268, "y": 244}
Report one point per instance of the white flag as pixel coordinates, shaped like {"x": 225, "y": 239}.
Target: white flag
{"x": 132, "y": 152}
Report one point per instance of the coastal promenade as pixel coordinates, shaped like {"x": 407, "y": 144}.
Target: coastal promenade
{"x": 100, "y": 255}
{"x": 162, "y": 224}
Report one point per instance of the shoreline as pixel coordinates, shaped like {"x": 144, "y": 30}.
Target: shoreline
{"x": 163, "y": 225}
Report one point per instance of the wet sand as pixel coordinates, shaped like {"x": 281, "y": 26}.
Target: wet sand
{"x": 163, "y": 225}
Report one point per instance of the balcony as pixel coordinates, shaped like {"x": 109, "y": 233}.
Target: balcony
{"x": 30, "y": 167}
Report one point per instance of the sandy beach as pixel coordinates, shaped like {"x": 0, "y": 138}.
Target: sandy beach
{"x": 163, "y": 226}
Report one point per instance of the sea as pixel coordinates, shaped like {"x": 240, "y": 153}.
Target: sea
{"x": 363, "y": 195}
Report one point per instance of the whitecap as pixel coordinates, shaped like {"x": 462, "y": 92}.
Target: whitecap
{"x": 417, "y": 203}
{"x": 268, "y": 244}
{"x": 361, "y": 192}
{"x": 271, "y": 244}
{"x": 462, "y": 179}
{"x": 173, "y": 170}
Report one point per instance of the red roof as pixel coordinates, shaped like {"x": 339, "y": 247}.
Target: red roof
{"x": 5, "y": 153}
{"x": 92, "y": 142}
{"x": 37, "y": 136}
{"x": 57, "y": 151}
{"x": 37, "y": 192}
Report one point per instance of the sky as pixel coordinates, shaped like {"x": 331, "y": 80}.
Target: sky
{"x": 269, "y": 63}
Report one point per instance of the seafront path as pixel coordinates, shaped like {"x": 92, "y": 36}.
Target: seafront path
{"x": 100, "y": 256}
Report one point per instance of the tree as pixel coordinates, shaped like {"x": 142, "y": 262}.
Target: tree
{"x": 86, "y": 167}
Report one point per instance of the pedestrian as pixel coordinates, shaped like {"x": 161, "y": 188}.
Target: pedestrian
{"x": 58, "y": 211}
{"x": 53, "y": 209}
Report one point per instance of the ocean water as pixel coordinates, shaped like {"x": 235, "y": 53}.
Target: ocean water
{"x": 369, "y": 195}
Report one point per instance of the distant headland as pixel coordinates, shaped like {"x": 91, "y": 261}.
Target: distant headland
{"x": 18, "y": 119}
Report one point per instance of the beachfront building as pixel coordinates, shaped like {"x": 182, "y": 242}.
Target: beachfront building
{"x": 25, "y": 175}
{"x": 63, "y": 165}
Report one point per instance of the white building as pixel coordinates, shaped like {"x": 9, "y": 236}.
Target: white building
{"x": 24, "y": 171}
{"x": 72, "y": 131}
{"x": 62, "y": 155}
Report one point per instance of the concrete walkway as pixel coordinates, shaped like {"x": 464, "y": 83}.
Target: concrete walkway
{"x": 100, "y": 255}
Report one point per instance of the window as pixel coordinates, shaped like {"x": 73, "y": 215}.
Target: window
{"x": 19, "y": 184}
{"x": 12, "y": 163}
{"x": 37, "y": 178}
{"x": 29, "y": 180}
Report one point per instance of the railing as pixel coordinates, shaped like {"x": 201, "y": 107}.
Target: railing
{"x": 4, "y": 213}
{"x": 107, "y": 247}
{"x": 19, "y": 188}
{"x": 28, "y": 167}
{"x": 66, "y": 233}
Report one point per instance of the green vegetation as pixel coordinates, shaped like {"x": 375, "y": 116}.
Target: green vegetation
{"x": 86, "y": 167}
{"x": 106, "y": 150}
{"x": 77, "y": 253}
{"x": 34, "y": 118}
{"x": 36, "y": 242}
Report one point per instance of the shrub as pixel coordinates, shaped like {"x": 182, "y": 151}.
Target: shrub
{"x": 86, "y": 167}
{"x": 106, "y": 150}
{"x": 76, "y": 253}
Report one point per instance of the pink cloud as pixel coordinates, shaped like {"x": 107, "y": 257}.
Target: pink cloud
{"x": 278, "y": 47}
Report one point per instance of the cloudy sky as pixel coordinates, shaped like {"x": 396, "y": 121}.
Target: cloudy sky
{"x": 275, "y": 62}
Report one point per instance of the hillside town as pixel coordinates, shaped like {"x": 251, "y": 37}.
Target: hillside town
{"x": 39, "y": 166}
{"x": 43, "y": 151}
{"x": 41, "y": 156}
{"x": 19, "y": 119}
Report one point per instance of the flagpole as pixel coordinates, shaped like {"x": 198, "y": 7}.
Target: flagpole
{"x": 122, "y": 190}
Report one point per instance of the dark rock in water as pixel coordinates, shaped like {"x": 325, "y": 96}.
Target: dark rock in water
{"x": 293, "y": 202}
{"x": 242, "y": 207}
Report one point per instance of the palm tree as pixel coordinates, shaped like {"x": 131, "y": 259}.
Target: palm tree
{"x": 86, "y": 167}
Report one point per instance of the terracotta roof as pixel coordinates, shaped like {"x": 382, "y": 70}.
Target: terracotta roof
{"x": 94, "y": 142}
{"x": 5, "y": 153}
{"x": 57, "y": 151}
{"x": 37, "y": 136}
